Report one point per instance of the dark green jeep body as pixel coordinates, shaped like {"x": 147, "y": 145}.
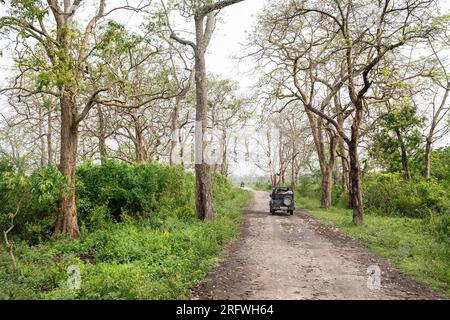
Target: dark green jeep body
{"x": 282, "y": 199}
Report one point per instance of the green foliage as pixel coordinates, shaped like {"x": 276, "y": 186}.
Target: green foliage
{"x": 138, "y": 190}
{"x": 115, "y": 39}
{"x": 28, "y": 9}
{"x": 397, "y": 127}
{"x": 158, "y": 251}
{"x": 309, "y": 185}
{"x": 43, "y": 80}
{"x": 262, "y": 186}
{"x": 440, "y": 226}
{"x": 221, "y": 187}
{"x": 389, "y": 194}
{"x": 33, "y": 196}
{"x": 440, "y": 166}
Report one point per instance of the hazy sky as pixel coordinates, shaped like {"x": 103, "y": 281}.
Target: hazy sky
{"x": 231, "y": 32}
{"x": 230, "y": 35}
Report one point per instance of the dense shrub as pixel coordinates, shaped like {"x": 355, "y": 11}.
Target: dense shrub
{"x": 33, "y": 196}
{"x": 390, "y": 194}
{"x": 150, "y": 256}
{"x": 309, "y": 185}
{"x": 221, "y": 187}
{"x": 262, "y": 186}
{"x": 106, "y": 193}
{"x": 338, "y": 197}
{"x": 139, "y": 237}
{"x": 440, "y": 166}
{"x": 115, "y": 189}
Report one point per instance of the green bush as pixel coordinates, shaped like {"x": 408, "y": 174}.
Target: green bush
{"x": 390, "y": 194}
{"x": 135, "y": 189}
{"x": 157, "y": 251}
{"x": 262, "y": 186}
{"x": 309, "y": 186}
{"x": 440, "y": 166}
{"x": 440, "y": 226}
{"x": 33, "y": 196}
{"x": 338, "y": 197}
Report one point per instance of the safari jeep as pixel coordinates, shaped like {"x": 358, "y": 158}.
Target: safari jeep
{"x": 282, "y": 199}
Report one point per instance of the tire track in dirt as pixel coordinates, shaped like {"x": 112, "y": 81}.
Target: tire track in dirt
{"x": 299, "y": 257}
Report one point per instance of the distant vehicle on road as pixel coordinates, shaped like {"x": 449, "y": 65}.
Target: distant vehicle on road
{"x": 282, "y": 199}
{"x": 242, "y": 184}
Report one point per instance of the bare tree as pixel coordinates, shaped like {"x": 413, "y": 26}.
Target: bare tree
{"x": 440, "y": 107}
{"x": 365, "y": 43}
{"x": 202, "y": 11}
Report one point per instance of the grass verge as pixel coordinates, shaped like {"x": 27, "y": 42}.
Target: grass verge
{"x": 160, "y": 257}
{"x": 406, "y": 242}
{"x": 261, "y": 186}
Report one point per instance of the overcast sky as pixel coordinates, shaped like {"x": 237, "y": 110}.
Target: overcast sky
{"x": 231, "y": 33}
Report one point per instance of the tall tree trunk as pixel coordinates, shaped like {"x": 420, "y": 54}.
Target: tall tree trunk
{"x": 49, "y": 139}
{"x": 327, "y": 185}
{"x": 437, "y": 117}
{"x": 139, "y": 146}
{"x": 224, "y": 165}
{"x": 67, "y": 213}
{"x": 404, "y": 155}
{"x": 203, "y": 34}
{"x": 316, "y": 126}
{"x": 280, "y": 155}
{"x": 355, "y": 169}
{"x": 327, "y": 173}
{"x": 293, "y": 168}
{"x": 101, "y": 135}
{"x": 346, "y": 183}
{"x": 175, "y": 132}
{"x": 204, "y": 204}
{"x": 42, "y": 139}
{"x": 356, "y": 187}
{"x": 181, "y": 154}
{"x": 345, "y": 172}
{"x": 428, "y": 148}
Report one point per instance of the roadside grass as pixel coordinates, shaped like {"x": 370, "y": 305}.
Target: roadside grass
{"x": 261, "y": 186}
{"x": 406, "y": 242}
{"x": 160, "y": 257}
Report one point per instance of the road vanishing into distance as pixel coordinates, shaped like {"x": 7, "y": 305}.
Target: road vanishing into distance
{"x": 299, "y": 257}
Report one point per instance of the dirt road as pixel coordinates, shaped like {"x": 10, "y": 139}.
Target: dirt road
{"x": 298, "y": 257}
